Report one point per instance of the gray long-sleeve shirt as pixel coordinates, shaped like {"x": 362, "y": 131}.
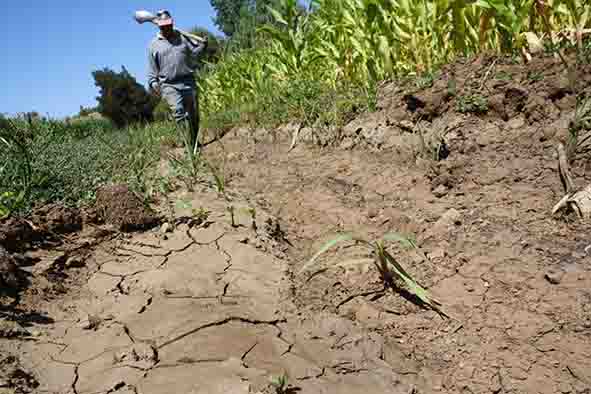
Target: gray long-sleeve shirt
{"x": 173, "y": 62}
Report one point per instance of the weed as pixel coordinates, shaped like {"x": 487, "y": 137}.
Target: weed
{"x": 186, "y": 168}
{"x": 10, "y": 202}
{"x": 580, "y": 129}
{"x": 388, "y": 267}
{"x": 425, "y": 81}
{"x": 472, "y": 103}
{"x": 231, "y": 210}
{"x": 253, "y": 216}
{"x": 280, "y": 383}
{"x": 504, "y": 76}
{"x": 201, "y": 215}
{"x": 218, "y": 176}
{"x": 534, "y": 76}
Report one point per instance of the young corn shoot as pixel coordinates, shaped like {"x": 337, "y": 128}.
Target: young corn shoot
{"x": 388, "y": 267}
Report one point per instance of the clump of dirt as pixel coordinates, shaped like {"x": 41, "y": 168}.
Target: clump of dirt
{"x": 12, "y": 278}
{"x": 118, "y": 206}
{"x": 43, "y": 226}
{"x": 16, "y": 234}
{"x": 15, "y": 379}
{"x": 493, "y": 86}
{"x": 57, "y": 219}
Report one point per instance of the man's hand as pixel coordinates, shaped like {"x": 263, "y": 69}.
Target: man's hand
{"x": 156, "y": 89}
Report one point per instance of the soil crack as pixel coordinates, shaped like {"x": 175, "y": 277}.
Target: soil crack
{"x": 249, "y": 350}
{"x": 189, "y": 361}
{"x": 76, "y": 377}
{"x": 219, "y": 323}
{"x": 195, "y": 242}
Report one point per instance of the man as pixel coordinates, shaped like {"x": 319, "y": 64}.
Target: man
{"x": 171, "y": 59}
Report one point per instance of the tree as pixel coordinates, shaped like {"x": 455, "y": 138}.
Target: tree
{"x": 233, "y": 16}
{"x": 122, "y": 99}
{"x": 227, "y": 16}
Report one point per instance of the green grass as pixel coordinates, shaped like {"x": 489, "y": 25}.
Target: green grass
{"x": 54, "y": 161}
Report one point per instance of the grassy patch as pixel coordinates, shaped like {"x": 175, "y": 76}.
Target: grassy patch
{"x": 53, "y": 161}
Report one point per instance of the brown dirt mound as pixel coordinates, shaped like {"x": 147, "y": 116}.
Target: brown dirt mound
{"x": 57, "y": 219}
{"x": 118, "y": 206}
{"x": 16, "y": 234}
{"x": 43, "y": 226}
{"x": 12, "y": 279}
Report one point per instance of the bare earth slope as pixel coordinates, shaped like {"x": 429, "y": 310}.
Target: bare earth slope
{"x": 200, "y": 309}
{"x": 514, "y": 279}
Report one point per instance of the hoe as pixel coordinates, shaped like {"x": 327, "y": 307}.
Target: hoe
{"x": 146, "y": 16}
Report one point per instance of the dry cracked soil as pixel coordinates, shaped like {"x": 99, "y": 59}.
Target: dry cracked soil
{"x": 214, "y": 305}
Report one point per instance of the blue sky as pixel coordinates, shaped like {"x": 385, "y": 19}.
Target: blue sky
{"x": 49, "y": 48}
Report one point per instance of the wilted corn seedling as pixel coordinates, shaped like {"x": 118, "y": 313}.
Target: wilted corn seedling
{"x": 389, "y": 268}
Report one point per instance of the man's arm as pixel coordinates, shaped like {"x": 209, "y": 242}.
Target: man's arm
{"x": 196, "y": 48}
{"x": 153, "y": 70}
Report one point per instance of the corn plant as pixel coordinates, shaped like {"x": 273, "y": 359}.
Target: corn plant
{"x": 15, "y": 144}
{"x": 290, "y": 39}
{"x": 390, "y": 270}
{"x": 280, "y": 383}
{"x": 351, "y": 44}
{"x": 509, "y": 20}
{"x": 580, "y": 129}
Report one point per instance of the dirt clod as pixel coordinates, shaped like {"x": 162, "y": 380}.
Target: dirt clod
{"x": 440, "y": 191}
{"x": 120, "y": 207}
{"x": 16, "y": 234}
{"x": 12, "y": 278}
{"x": 554, "y": 276}
{"x": 57, "y": 219}
{"x": 515, "y": 100}
{"x": 166, "y": 228}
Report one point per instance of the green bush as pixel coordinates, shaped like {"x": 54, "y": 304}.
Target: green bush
{"x": 122, "y": 99}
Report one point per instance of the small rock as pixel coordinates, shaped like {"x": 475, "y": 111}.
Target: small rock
{"x": 437, "y": 254}
{"x": 407, "y": 126}
{"x": 516, "y": 123}
{"x": 90, "y": 323}
{"x": 440, "y": 191}
{"x": 554, "y": 276}
{"x": 451, "y": 216}
{"x": 348, "y": 143}
{"x": 166, "y": 228}
{"x": 372, "y": 213}
{"x": 495, "y": 385}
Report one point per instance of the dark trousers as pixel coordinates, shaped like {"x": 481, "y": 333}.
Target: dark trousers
{"x": 184, "y": 104}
